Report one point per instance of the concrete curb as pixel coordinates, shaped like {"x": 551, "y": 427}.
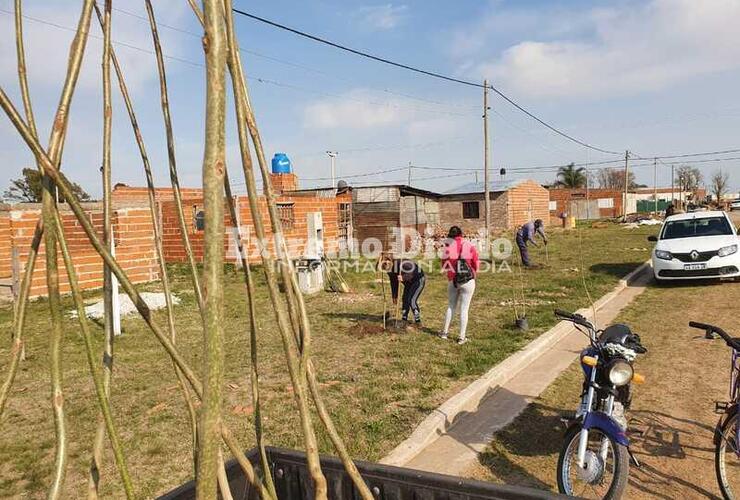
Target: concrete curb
{"x": 470, "y": 397}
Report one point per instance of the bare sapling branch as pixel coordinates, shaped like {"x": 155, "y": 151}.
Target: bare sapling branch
{"x": 164, "y": 97}
{"x": 253, "y": 352}
{"x": 157, "y": 226}
{"x": 19, "y": 308}
{"x": 65, "y": 187}
{"x": 108, "y": 330}
{"x": 296, "y": 305}
{"x": 284, "y": 326}
{"x": 100, "y": 390}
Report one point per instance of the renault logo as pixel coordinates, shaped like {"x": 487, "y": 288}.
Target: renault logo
{"x": 694, "y": 255}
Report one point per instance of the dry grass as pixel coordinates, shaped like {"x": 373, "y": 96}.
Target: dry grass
{"x": 378, "y": 385}
{"x": 672, "y": 419}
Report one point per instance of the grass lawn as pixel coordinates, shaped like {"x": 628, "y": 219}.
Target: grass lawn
{"x": 672, "y": 417}
{"x": 378, "y": 386}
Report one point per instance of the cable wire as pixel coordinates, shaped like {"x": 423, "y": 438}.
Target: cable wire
{"x": 423, "y": 72}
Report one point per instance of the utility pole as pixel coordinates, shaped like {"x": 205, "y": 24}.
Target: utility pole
{"x": 333, "y": 156}
{"x": 486, "y": 194}
{"x": 655, "y": 184}
{"x": 409, "y": 173}
{"x": 626, "y": 181}
{"x": 673, "y": 188}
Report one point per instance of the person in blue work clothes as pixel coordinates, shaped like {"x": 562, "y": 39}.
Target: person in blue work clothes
{"x": 525, "y": 235}
{"x": 412, "y": 276}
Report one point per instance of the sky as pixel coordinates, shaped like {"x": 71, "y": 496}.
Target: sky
{"x": 655, "y": 77}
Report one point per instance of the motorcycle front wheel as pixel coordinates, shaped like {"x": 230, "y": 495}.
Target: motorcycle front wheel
{"x": 605, "y": 471}
{"x": 727, "y": 461}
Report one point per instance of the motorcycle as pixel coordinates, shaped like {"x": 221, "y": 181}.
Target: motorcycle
{"x": 595, "y": 458}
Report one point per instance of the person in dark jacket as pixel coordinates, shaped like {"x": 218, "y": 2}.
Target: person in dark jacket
{"x": 409, "y": 273}
{"x": 525, "y": 235}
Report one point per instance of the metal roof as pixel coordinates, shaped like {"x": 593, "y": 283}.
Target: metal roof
{"x": 479, "y": 187}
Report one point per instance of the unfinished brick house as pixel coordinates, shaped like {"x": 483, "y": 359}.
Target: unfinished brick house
{"x": 512, "y": 204}
{"x": 377, "y": 210}
{"x": 134, "y": 246}
{"x": 588, "y": 204}
{"x": 314, "y": 222}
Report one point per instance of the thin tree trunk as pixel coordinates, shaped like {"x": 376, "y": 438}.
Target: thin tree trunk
{"x": 296, "y": 305}
{"x": 292, "y": 357}
{"x": 172, "y": 161}
{"x": 157, "y": 235}
{"x": 100, "y": 389}
{"x": 108, "y": 330}
{"x": 19, "y": 308}
{"x": 65, "y": 188}
{"x": 251, "y": 309}
{"x": 56, "y": 143}
{"x": 214, "y": 164}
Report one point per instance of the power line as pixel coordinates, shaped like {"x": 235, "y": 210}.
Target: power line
{"x": 266, "y": 81}
{"x": 294, "y": 64}
{"x": 423, "y": 72}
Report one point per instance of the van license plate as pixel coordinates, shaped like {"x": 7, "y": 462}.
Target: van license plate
{"x": 694, "y": 267}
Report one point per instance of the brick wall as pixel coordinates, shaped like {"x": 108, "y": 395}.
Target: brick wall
{"x": 284, "y": 182}
{"x": 134, "y": 243}
{"x": 6, "y": 246}
{"x": 124, "y": 194}
{"x": 563, "y": 198}
{"x": 295, "y": 208}
{"x": 527, "y": 201}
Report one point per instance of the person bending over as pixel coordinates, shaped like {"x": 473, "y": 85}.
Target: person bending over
{"x": 409, "y": 273}
{"x": 525, "y": 235}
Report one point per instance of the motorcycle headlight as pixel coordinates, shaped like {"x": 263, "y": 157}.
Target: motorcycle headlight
{"x": 663, "y": 254}
{"x": 620, "y": 373}
{"x": 728, "y": 250}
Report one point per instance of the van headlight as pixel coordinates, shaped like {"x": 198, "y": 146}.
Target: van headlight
{"x": 663, "y": 254}
{"x": 620, "y": 373}
{"x": 728, "y": 250}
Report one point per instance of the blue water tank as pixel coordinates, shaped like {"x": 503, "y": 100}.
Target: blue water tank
{"x": 281, "y": 164}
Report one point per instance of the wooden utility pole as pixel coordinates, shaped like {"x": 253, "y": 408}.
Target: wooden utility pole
{"x": 626, "y": 181}
{"x": 486, "y": 194}
{"x": 655, "y": 184}
{"x": 673, "y": 188}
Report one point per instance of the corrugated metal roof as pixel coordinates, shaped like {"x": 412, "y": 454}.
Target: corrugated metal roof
{"x": 479, "y": 187}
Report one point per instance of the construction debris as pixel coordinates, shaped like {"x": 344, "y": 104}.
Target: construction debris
{"x": 155, "y": 300}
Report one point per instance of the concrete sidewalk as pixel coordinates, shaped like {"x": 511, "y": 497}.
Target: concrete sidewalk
{"x": 457, "y": 449}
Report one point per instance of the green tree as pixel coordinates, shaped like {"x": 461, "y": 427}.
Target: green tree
{"x": 571, "y": 177}
{"x": 28, "y": 188}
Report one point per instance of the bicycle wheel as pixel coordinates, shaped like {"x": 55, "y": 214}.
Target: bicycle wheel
{"x": 727, "y": 460}
{"x": 600, "y": 478}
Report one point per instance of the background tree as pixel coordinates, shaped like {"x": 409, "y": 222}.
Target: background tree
{"x": 689, "y": 178}
{"x": 613, "y": 178}
{"x": 28, "y": 189}
{"x": 571, "y": 177}
{"x": 719, "y": 183}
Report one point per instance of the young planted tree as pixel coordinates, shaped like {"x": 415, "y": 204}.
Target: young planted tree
{"x": 720, "y": 181}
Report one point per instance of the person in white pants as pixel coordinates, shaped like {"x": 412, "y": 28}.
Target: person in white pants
{"x": 460, "y": 260}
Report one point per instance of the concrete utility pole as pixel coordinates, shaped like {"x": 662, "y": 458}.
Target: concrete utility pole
{"x": 673, "y": 189}
{"x": 333, "y": 155}
{"x": 409, "y": 173}
{"x": 655, "y": 184}
{"x": 626, "y": 181}
{"x": 486, "y": 194}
